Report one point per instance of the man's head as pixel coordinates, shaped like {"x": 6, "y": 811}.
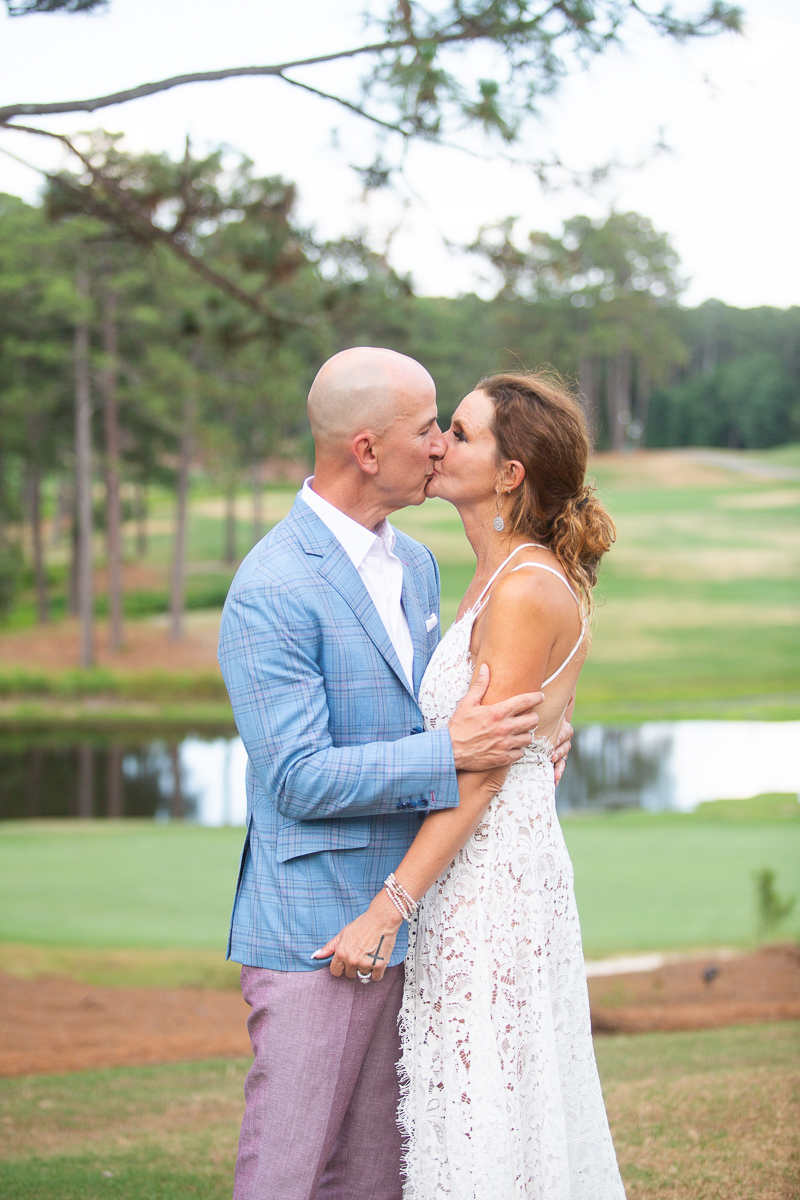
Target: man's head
{"x": 373, "y": 417}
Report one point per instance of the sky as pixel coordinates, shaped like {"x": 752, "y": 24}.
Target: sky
{"x": 726, "y": 190}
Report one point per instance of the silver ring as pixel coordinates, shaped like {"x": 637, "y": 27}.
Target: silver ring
{"x": 364, "y": 976}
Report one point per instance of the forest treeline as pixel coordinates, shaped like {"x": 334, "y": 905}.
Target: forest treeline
{"x": 129, "y": 360}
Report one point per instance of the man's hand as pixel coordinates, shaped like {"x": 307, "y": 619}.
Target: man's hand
{"x": 493, "y": 735}
{"x": 564, "y": 743}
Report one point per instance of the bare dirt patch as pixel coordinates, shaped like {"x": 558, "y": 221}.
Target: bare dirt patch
{"x": 700, "y": 994}
{"x": 54, "y": 1025}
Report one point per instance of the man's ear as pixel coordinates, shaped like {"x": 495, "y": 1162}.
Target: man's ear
{"x": 364, "y": 451}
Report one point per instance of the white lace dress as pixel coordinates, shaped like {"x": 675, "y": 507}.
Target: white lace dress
{"x": 501, "y": 1096}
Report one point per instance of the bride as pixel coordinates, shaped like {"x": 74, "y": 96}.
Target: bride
{"x": 501, "y": 1097}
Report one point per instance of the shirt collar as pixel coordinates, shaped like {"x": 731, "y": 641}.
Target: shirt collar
{"x": 356, "y": 540}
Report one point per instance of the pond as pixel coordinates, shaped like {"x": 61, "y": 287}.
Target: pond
{"x": 654, "y": 766}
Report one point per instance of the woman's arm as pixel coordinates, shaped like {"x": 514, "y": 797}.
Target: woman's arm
{"x": 515, "y": 641}
{"x": 438, "y": 842}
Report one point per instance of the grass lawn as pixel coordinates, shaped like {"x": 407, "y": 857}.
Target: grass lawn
{"x": 643, "y": 882}
{"x": 706, "y": 1116}
{"x": 698, "y": 603}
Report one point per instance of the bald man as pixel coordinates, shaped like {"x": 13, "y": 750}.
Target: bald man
{"x": 326, "y": 633}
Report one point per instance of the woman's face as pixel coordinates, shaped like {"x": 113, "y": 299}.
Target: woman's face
{"x": 468, "y": 472}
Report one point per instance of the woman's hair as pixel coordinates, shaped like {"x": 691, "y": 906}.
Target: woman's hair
{"x": 539, "y": 422}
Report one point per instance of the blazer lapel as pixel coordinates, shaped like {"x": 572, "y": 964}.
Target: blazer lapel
{"x": 337, "y": 568}
{"x": 416, "y": 616}
{"x": 341, "y": 574}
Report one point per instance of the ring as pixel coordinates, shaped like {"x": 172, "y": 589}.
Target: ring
{"x": 364, "y": 976}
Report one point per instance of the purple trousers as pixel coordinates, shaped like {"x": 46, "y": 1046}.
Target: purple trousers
{"x": 321, "y": 1097}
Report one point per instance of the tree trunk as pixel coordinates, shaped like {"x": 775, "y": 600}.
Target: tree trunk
{"x": 230, "y": 521}
{"x": 258, "y": 503}
{"x": 185, "y": 462}
{"x": 108, "y": 381}
{"x": 83, "y": 469}
{"x": 64, "y": 506}
{"x": 35, "y": 511}
{"x": 141, "y": 520}
{"x": 644, "y": 388}
{"x": 72, "y": 597}
{"x": 618, "y": 399}
{"x": 587, "y": 376}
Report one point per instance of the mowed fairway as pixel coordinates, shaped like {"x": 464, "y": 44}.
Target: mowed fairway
{"x": 695, "y": 1116}
{"x": 643, "y": 882}
{"x": 699, "y": 600}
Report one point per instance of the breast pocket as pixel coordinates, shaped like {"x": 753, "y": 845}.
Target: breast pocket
{"x": 298, "y": 838}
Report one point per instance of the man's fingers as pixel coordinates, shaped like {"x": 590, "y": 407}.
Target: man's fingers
{"x": 478, "y": 687}
{"x": 517, "y": 705}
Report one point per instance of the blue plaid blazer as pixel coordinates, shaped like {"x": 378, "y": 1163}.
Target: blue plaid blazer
{"x": 339, "y": 766}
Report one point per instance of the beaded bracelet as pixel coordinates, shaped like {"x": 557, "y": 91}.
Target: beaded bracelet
{"x": 405, "y": 904}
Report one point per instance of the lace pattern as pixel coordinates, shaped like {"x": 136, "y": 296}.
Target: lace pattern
{"x": 500, "y": 1094}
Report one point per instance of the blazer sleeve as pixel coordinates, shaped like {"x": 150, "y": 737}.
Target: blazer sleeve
{"x": 268, "y": 655}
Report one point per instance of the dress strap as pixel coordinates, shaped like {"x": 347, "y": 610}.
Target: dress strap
{"x": 553, "y": 571}
{"x": 576, "y": 647}
{"x": 503, "y": 565}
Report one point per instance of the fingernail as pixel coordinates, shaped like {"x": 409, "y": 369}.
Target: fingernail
{"x": 484, "y": 669}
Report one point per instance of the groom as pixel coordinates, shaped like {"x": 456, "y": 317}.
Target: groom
{"x": 326, "y": 633}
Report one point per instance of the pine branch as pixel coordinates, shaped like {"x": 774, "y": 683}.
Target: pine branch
{"x": 143, "y": 228}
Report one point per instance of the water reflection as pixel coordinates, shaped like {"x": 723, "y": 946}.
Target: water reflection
{"x": 655, "y": 766}
{"x": 613, "y": 768}
{"x": 94, "y": 778}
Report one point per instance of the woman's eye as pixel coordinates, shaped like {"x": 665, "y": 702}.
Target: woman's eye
{"x": 459, "y": 435}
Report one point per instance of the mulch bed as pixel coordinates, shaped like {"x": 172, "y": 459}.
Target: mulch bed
{"x": 56, "y": 1025}
{"x": 700, "y": 993}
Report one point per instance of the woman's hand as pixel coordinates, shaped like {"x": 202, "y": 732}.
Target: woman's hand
{"x": 366, "y": 944}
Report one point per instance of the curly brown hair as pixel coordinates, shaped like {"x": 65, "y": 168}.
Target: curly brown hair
{"x": 539, "y": 422}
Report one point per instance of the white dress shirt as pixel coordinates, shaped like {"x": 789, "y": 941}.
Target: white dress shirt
{"x": 372, "y": 555}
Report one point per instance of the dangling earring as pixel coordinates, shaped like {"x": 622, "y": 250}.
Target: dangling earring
{"x": 498, "y": 523}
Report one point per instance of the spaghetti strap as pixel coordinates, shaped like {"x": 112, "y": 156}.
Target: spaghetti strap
{"x": 553, "y": 571}
{"x": 576, "y": 647}
{"x": 525, "y": 546}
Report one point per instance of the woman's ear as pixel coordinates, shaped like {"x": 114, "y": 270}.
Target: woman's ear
{"x": 513, "y": 475}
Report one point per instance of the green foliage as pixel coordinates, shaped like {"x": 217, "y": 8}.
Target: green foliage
{"x": 771, "y": 907}
{"x": 740, "y": 385}
{"x": 11, "y": 572}
{"x": 154, "y": 686}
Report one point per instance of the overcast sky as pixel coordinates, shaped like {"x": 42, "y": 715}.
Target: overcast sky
{"x": 727, "y": 191}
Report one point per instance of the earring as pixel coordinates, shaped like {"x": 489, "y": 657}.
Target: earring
{"x": 498, "y": 523}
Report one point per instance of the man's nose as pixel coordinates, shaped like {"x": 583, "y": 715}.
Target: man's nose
{"x": 438, "y": 445}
